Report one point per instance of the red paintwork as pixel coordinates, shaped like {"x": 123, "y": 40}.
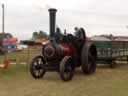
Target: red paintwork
{"x": 68, "y": 49}
{"x": 13, "y": 39}
{"x": 5, "y": 40}
{"x": 6, "y": 63}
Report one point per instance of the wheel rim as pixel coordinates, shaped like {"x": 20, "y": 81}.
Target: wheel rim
{"x": 38, "y": 67}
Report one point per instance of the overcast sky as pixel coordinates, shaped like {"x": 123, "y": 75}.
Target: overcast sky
{"x": 22, "y": 17}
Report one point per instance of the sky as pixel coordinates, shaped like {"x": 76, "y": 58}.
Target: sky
{"x": 23, "y": 17}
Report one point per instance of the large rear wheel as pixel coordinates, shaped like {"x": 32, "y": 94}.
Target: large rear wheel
{"x": 37, "y": 69}
{"x": 88, "y": 61}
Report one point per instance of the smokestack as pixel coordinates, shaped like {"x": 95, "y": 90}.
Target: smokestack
{"x": 52, "y": 21}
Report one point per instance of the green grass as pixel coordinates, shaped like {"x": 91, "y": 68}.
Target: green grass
{"x": 13, "y": 70}
{"x": 16, "y": 80}
{"x": 24, "y": 56}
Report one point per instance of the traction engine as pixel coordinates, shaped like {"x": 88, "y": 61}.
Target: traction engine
{"x": 63, "y": 53}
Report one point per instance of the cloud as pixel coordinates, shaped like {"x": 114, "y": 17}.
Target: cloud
{"x": 22, "y": 17}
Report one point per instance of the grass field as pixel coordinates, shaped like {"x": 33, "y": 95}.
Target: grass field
{"x": 17, "y": 81}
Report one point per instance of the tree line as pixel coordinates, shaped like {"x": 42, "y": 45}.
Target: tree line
{"x": 40, "y": 34}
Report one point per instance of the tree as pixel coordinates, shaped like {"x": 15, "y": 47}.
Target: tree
{"x": 35, "y": 35}
{"x": 40, "y": 34}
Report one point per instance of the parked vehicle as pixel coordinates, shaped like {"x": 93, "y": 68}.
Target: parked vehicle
{"x": 64, "y": 53}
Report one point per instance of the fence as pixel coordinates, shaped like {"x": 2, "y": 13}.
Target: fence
{"x": 23, "y": 56}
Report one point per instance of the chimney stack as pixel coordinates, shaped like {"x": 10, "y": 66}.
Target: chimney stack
{"x": 52, "y": 21}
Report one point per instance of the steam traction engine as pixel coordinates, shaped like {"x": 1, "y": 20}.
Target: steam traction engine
{"x": 64, "y": 52}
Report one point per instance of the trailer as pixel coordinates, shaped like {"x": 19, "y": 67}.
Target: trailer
{"x": 110, "y": 52}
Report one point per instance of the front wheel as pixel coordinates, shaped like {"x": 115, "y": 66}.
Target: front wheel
{"x": 37, "y": 69}
{"x": 66, "y": 68}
